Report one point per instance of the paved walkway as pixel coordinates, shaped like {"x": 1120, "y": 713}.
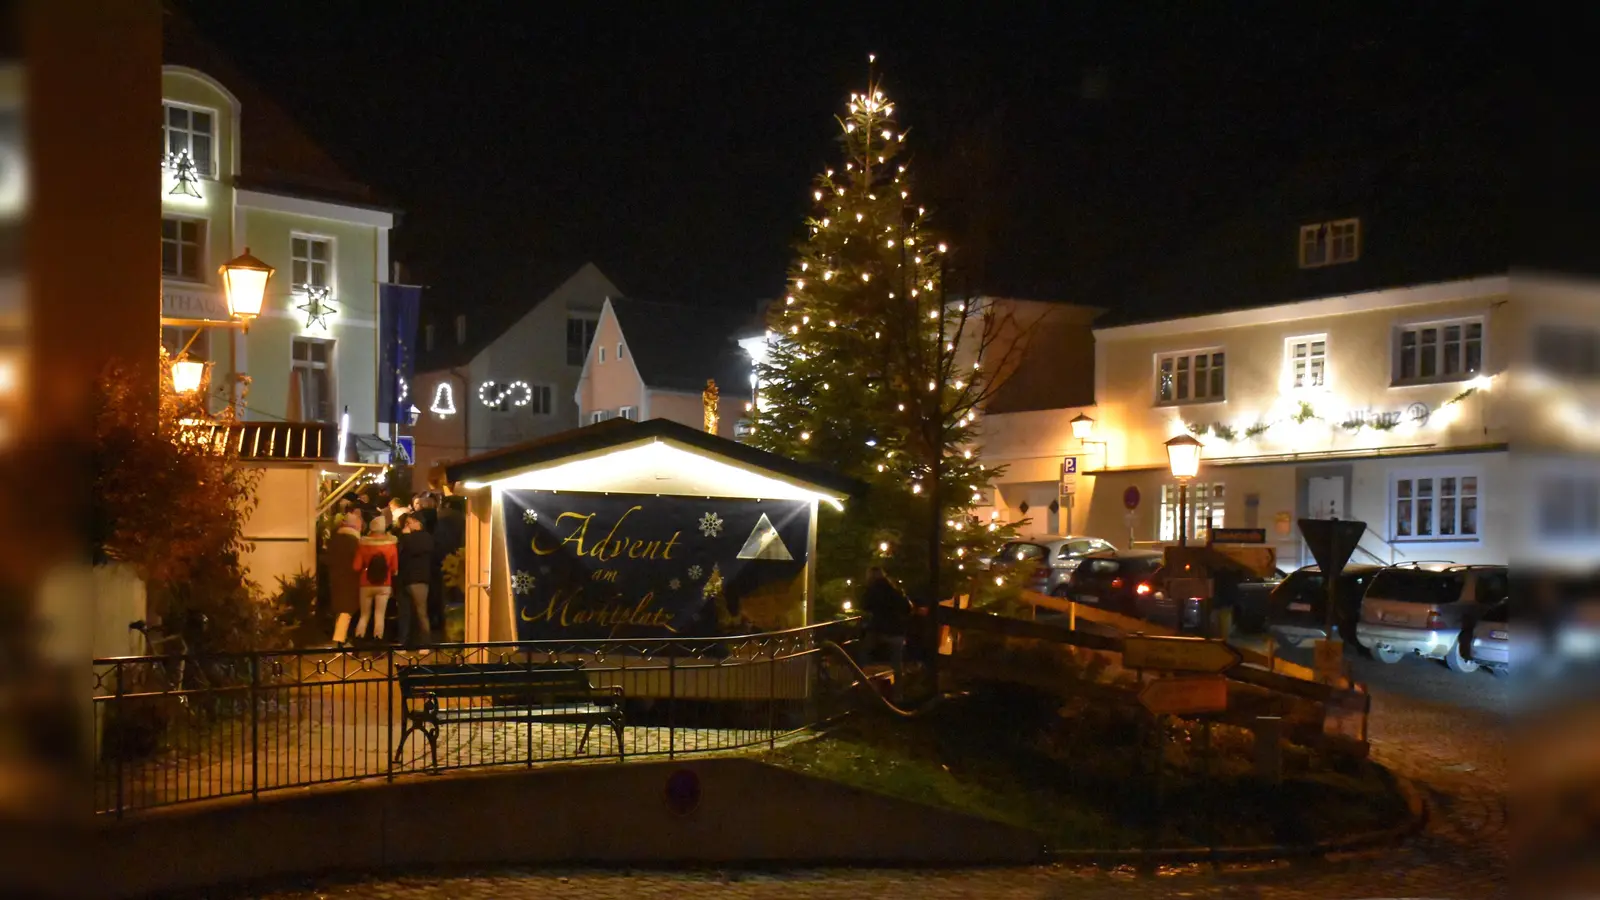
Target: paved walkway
{"x": 1444, "y": 731}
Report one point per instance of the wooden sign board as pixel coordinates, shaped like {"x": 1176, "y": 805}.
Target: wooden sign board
{"x": 1236, "y": 536}
{"x": 1179, "y": 654}
{"x": 1187, "y": 695}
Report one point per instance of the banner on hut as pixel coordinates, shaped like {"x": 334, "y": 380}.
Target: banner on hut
{"x": 635, "y": 565}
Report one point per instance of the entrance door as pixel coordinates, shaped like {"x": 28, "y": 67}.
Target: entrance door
{"x": 1324, "y": 500}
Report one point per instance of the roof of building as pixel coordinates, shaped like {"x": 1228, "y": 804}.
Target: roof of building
{"x": 519, "y": 290}
{"x": 276, "y": 154}
{"x": 677, "y": 347}
{"x": 614, "y": 433}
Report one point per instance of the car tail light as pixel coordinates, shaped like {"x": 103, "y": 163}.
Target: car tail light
{"x": 1116, "y": 582}
{"x": 1142, "y": 589}
{"x": 1042, "y": 573}
{"x": 1434, "y": 619}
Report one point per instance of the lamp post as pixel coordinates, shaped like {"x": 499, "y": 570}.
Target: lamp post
{"x": 244, "y": 285}
{"x": 1183, "y": 458}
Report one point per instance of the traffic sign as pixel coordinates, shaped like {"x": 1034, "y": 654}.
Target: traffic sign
{"x": 1181, "y": 654}
{"x": 1185, "y": 695}
{"x": 1130, "y": 498}
{"x": 1069, "y": 466}
{"x": 1331, "y": 542}
{"x": 407, "y": 446}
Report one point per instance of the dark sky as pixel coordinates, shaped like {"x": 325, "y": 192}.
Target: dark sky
{"x": 674, "y": 144}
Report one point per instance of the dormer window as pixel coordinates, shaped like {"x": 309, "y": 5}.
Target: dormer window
{"x": 1330, "y": 243}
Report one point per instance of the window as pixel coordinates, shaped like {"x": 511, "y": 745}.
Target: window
{"x": 598, "y": 415}
{"x": 1440, "y": 507}
{"x": 541, "y": 400}
{"x": 313, "y": 262}
{"x": 312, "y": 379}
{"x": 1438, "y": 351}
{"x": 628, "y": 412}
{"x": 580, "y": 334}
{"x": 183, "y": 249}
{"x": 1569, "y": 507}
{"x": 1205, "y": 510}
{"x": 620, "y": 354}
{"x": 1569, "y": 351}
{"x": 461, "y": 329}
{"x": 1330, "y": 243}
{"x": 190, "y": 131}
{"x": 1308, "y": 361}
{"x": 602, "y": 353}
{"x": 1191, "y": 377}
{"x": 175, "y": 338}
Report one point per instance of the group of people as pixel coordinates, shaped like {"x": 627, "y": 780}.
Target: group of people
{"x": 384, "y": 548}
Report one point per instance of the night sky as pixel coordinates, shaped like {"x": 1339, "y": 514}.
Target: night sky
{"x": 675, "y": 147}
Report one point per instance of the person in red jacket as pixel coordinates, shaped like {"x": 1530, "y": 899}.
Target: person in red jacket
{"x": 377, "y": 560}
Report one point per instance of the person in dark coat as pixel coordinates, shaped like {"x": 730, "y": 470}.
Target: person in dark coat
{"x": 888, "y": 620}
{"x": 344, "y": 586}
{"x": 416, "y": 569}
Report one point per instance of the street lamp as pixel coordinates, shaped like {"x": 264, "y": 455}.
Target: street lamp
{"x": 187, "y": 375}
{"x": 1082, "y": 428}
{"x": 244, "y": 280}
{"x": 1183, "y": 457}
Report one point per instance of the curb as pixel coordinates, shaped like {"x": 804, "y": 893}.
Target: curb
{"x": 1416, "y": 817}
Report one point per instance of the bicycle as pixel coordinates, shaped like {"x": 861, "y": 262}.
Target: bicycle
{"x": 173, "y": 651}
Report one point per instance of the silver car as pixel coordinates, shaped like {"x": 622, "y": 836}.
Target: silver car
{"x": 1411, "y": 610}
{"x": 1491, "y": 639}
{"x": 1053, "y": 559}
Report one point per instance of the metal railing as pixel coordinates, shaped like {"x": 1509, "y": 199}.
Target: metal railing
{"x": 172, "y": 730}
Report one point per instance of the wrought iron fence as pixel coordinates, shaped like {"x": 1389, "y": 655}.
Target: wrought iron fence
{"x": 177, "y": 729}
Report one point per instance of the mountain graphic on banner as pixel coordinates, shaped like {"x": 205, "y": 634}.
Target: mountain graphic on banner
{"x": 764, "y": 543}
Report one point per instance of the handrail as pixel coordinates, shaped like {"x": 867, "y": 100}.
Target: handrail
{"x": 865, "y": 682}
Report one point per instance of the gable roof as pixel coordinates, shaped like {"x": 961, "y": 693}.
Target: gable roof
{"x": 677, "y": 347}
{"x": 522, "y": 289}
{"x": 275, "y": 154}
{"x": 614, "y": 434}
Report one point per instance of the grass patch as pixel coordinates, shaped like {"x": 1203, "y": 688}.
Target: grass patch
{"x": 1083, "y": 781}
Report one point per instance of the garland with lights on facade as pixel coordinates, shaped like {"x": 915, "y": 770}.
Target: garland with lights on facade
{"x": 864, "y": 374}
{"x": 1306, "y": 412}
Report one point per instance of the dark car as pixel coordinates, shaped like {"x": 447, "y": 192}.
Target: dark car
{"x": 1298, "y": 608}
{"x": 1049, "y": 561}
{"x": 1112, "y": 580}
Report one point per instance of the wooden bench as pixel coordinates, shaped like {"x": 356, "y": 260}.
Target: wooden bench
{"x": 547, "y": 694}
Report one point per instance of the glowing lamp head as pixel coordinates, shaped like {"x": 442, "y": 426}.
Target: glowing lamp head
{"x": 244, "y": 281}
{"x": 1183, "y": 456}
{"x": 1082, "y": 427}
{"x": 187, "y": 375}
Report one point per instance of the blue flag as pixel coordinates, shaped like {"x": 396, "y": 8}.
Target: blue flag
{"x": 398, "y": 307}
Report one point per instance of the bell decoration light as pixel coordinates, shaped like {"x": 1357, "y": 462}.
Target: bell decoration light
{"x": 1183, "y": 456}
{"x": 244, "y": 281}
{"x": 187, "y": 375}
{"x": 1082, "y": 427}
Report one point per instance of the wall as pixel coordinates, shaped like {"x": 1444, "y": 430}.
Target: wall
{"x": 748, "y": 813}
{"x": 353, "y": 328}
{"x": 438, "y": 438}
{"x": 608, "y": 386}
{"x": 1031, "y": 446}
{"x": 283, "y": 526}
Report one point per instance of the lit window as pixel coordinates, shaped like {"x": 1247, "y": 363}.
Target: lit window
{"x": 183, "y": 249}
{"x": 580, "y": 334}
{"x": 1191, "y": 377}
{"x": 1330, "y": 243}
{"x": 191, "y": 131}
{"x": 1438, "y": 351}
{"x": 1205, "y": 510}
{"x": 1438, "y": 507}
{"x": 311, "y": 379}
{"x": 313, "y": 262}
{"x": 1308, "y": 361}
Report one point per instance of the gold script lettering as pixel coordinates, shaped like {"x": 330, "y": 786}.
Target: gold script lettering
{"x": 576, "y": 536}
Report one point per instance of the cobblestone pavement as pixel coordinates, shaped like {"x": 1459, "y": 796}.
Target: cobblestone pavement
{"x": 1445, "y": 732}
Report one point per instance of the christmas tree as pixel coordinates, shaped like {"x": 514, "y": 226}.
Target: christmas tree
{"x": 878, "y": 373}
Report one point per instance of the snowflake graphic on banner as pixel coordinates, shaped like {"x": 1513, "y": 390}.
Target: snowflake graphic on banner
{"x": 674, "y": 584}
{"x": 530, "y": 516}
{"x": 522, "y": 583}
{"x": 694, "y": 573}
{"x": 710, "y": 524}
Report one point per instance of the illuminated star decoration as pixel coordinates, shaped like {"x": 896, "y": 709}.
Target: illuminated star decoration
{"x": 522, "y": 583}
{"x": 317, "y": 306}
{"x": 186, "y": 175}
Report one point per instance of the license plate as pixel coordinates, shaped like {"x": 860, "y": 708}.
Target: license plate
{"x": 1498, "y": 635}
{"x": 1300, "y": 607}
{"x": 1088, "y": 598}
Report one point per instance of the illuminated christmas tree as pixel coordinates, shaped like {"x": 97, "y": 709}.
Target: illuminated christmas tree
{"x": 876, "y": 372}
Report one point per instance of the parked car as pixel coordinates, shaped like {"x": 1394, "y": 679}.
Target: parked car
{"x": 1053, "y": 559}
{"x": 1414, "y": 610}
{"x": 1490, "y": 640}
{"x": 1114, "y": 580}
{"x": 1298, "y": 608}
{"x": 1240, "y": 590}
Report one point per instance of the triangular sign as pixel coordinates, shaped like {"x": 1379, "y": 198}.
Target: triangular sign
{"x": 764, "y": 543}
{"x": 1331, "y": 541}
